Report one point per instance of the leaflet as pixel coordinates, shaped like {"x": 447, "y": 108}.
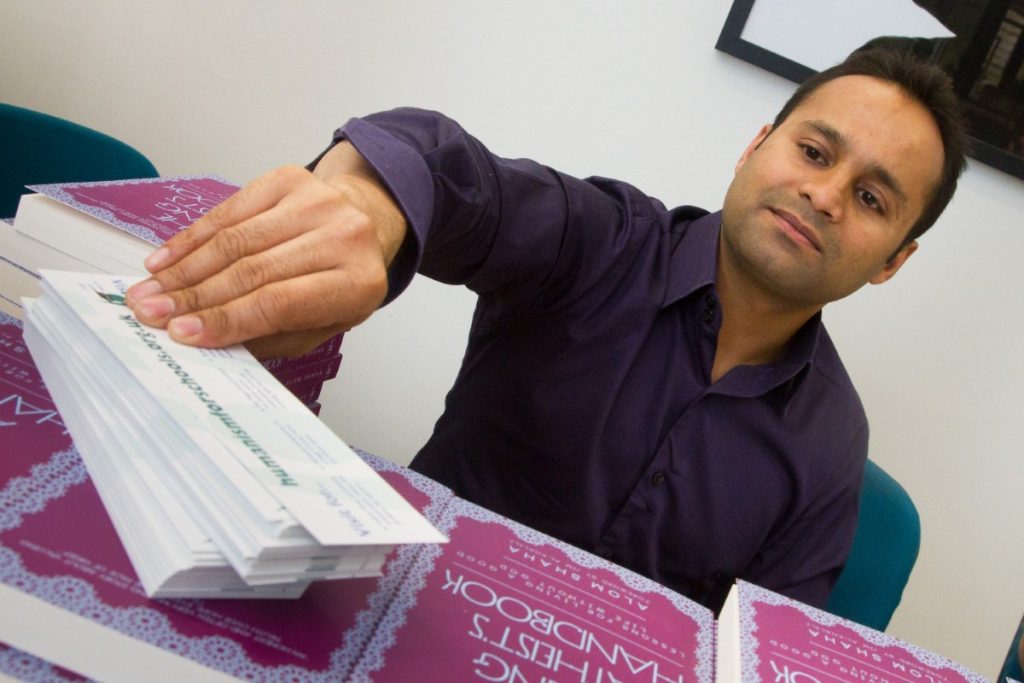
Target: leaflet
{"x": 238, "y": 415}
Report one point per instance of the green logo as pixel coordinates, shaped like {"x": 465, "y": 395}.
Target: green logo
{"x": 116, "y": 299}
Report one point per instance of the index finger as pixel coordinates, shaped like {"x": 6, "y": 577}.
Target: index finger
{"x": 258, "y": 196}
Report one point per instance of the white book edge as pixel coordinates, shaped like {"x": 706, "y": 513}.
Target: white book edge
{"x": 728, "y": 662}
{"x": 31, "y": 254}
{"x": 79, "y": 235}
{"x": 88, "y": 648}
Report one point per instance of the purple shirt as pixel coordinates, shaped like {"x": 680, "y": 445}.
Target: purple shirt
{"x": 584, "y": 406}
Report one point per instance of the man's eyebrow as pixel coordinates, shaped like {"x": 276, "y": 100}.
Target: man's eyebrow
{"x": 877, "y": 171}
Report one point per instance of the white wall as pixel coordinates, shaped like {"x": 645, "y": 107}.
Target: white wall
{"x": 628, "y": 89}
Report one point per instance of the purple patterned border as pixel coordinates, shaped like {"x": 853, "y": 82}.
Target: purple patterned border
{"x": 57, "y": 191}
{"x": 48, "y": 481}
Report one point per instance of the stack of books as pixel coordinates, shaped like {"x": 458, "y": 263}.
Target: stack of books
{"x": 498, "y": 602}
{"x": 110, "y": 227}
{"x": 204, "y": 462}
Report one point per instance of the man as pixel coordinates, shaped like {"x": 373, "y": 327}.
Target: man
{"x": 651, "y": 385}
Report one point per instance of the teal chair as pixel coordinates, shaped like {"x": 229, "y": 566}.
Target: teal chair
{"x": 884, "y": 552}
{"x": 38, "y": 148}
{"x": 1012, "y": 665}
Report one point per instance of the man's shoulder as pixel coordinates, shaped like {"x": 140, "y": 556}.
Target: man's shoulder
{"x": 829, "y": 364}
{"x": 637, "y": 203}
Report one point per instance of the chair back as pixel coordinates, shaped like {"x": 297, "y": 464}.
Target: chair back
{"x": 37, "y": 148}
{"x": 1012, "y": 664}
{"x": 884, "y": 552}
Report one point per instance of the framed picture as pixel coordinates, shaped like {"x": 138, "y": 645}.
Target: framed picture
{"x": 980, "y": 44}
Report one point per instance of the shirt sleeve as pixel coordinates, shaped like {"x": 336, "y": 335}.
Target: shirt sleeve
{"x": 804, "y": 561}
{"x": 512, "y": 230}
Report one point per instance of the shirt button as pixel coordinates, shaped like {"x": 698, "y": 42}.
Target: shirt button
{"x": 708, "y": 315}
{"x": 710, "y": 301}
{"x": 658, "y": 478}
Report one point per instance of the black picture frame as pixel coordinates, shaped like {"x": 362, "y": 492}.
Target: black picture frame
{"x": 985, "y": 147}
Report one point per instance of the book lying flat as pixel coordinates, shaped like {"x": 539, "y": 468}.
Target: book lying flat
{"x": 32, "y": 254}
{"x": 204, "y": 443}
{"x": 499, "y": 602}
{"x": 15, "y": 282}
{"x": 21, "y": 257}
{"x": 517, "y": 605}
{"x": 115, "y": 224}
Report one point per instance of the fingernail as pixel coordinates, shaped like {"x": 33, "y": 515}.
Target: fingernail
{"x": 155, "y": 307}
{"x": 185, "y": 326}
{"x": 157, "y": 258}
{"x": 141, "y": 290}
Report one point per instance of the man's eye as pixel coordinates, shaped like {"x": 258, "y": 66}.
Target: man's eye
{"x": 813, "y": 153}
{"x": 871, "y": 201}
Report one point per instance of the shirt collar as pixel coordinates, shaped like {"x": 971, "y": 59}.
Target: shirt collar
{"x": 694, "y": 262}
{"x": 694, "y": 266}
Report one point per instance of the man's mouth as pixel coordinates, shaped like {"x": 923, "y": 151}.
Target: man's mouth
{"x": 797, "y": 229}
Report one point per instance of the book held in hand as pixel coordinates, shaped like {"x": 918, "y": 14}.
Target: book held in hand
{"x": 203, "y": 444}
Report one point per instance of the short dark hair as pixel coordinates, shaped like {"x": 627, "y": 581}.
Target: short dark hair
{"x": 927, "y": 84}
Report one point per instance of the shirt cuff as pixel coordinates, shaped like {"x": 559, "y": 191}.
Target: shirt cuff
{"x": 408, "y": 179}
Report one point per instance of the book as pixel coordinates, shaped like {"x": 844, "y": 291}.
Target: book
{"x": 200, "y": 457}
{"x": 115, "y": 224}
{"x": 15, "y": 283}
{"x": 502, "y": 602}
{"x": 764, "y": 636}
{"x": 110, "y": 227}
{"x": 32, "y": 254}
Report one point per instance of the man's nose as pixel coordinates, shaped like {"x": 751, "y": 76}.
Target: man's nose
{"x": 825, "y": 192}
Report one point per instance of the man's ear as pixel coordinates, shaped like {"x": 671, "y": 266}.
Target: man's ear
{"x": 754, "y": 144}
{"x": 894, "y": 264}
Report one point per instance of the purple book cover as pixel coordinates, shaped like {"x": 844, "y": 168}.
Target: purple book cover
{"x": 783, "y": 640}
{"x": 307, "y": 393}
{"x": 57, "y": 544}
{"x": 152, "y": 209}
{"x": 325, "y": 351}
{"x": 501, "y": 602}
{"x": 314, "y": 371}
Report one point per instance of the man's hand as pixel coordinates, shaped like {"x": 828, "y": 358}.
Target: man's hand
{"x": 286, "y": 263}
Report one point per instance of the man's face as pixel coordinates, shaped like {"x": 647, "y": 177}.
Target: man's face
{"x": 818, "y": 207}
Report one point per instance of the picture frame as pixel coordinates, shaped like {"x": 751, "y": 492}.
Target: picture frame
{"x": 980, "y": 45}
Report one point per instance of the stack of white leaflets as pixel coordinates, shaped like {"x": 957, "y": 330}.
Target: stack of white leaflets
{"x": 218, "y": 480}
